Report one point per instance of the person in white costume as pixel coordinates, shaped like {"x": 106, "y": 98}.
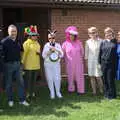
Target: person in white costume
{"x": 92, "y": 49}
{"x": 52, "y": 53}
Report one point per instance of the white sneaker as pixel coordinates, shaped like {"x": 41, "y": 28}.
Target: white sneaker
{"x": 10, "y": 103}
{"x": 25, "y": 103}
{"x": 59, "y": 95}
{"x": 52, "y": 96}
{"x": 33, "y": 95}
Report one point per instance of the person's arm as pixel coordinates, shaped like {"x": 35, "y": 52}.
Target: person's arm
{"x": 86, "y": 54}
{"x": 59, "y": 50}
{"x": 3, "y": 48}
{"x": 2, "y": 54}
{"x": 63, "y": 49}
{"x": 82, "y": 49}
{"x": 46, "y": 51}
{"x": 117, "y": 57}
{"x": 86, "y": 57}
{"x": 26, "y": 50}
{"x": 38, "y": 49}
{"x": 100, "y": 53}
{"x": 86, "y": 51}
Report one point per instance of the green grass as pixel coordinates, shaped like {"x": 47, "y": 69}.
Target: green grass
{"x": 71, "y": 107}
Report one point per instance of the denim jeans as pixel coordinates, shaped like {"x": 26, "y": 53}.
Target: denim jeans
{"x": 12, "y": 70}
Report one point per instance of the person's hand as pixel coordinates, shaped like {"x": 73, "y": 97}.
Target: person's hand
{"x": 99, "y": 66}
{"x": 52, "y": 49}
{"x": 58, "y": 52}
{"x": 21, "y": 66}
{"x": 86, "y": 63}
{"x": 48, "y": 53}
{"x": 38, "y": 52}
{"x": 22, "y": 69}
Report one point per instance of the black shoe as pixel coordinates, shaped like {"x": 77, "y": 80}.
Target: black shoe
{"x": 81, "y": 94}
{"x": 94, "y": 94}
{"x": 29, "y": 98}
{"x": 70, "y": 92}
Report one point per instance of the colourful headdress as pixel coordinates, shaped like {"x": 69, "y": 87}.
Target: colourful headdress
{"x": 31, "y": 31}
{"x": 71, "y": 30}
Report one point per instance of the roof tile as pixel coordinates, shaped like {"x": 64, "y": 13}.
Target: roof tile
{"x": 91, "y": 1}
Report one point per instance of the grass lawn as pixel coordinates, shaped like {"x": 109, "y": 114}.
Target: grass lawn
{"x": 71, "y": 107}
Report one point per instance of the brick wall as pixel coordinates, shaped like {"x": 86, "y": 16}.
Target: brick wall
{"x": 83, "y": 19}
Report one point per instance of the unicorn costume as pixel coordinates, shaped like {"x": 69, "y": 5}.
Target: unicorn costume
{"x": 74, "y": 53}
{"x": 52, "y": 66}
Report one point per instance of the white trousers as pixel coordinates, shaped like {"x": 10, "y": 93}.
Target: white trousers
{"x": 53, "y": 76}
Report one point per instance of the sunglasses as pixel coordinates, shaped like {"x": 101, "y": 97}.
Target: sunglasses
{"x": 108, "y": 34}
{"x": 51, "y": 38}
{"x": 35, "y": 35}
{"x": 92, "y": 32}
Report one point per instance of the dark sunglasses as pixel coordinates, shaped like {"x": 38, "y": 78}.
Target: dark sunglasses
{"x": 92, "y": 32}
{"x": 51, "y": 38}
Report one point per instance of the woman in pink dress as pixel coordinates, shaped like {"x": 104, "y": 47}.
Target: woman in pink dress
{"x": 74, "y": 53}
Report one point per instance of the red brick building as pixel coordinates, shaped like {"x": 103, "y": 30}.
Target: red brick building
{"x": 58, "y": 14}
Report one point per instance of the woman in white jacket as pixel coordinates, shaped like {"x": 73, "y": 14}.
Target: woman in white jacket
{"x": 92, "y": 49}
{"x": 52, "y": 53}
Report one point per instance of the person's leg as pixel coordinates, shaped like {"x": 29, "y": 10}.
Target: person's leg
{"x": 25, "y": 77}
{"x": 8, "y": 79}
{"x": 49, "y": 76}
{"x": 57, "y": 79}
{"x": 71, "y": 75}
{"x": 105, "y": 79}
{"x": 20, "y": 82}
{"x": 1, "y": 81}
{"x": 79, "y": 77}
{"x": 4, "y": 73}
{"x": 34, "y": 78}
{"x": 111, "y": 83}
{"x": 93, "y": 84}
{"x": 1, "y": 76}
{"x": 91, "y": 73}
{"x": 30, "y": 83}
{"x": 100, "y": 84}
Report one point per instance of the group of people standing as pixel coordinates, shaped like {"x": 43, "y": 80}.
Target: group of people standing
{"x": 101, "y": 59}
